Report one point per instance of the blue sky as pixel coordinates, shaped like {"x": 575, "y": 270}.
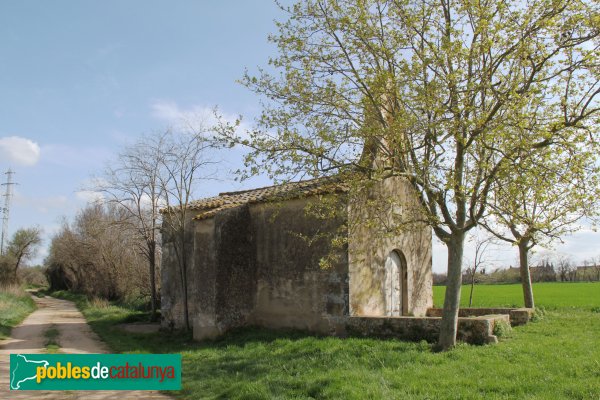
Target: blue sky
{"x": 80, "y": 79}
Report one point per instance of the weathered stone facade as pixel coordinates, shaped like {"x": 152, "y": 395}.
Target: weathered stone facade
{"x": 369, "y": 248}
{"x": 254, "y": 260}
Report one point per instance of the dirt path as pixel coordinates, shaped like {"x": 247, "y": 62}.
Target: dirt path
{"x": 75, "y": 336}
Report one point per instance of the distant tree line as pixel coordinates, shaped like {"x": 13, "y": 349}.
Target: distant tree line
{"x": 547, "y": 269}
{"x": 94, "y": 255}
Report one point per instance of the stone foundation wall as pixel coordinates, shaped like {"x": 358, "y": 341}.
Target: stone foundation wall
{"x": 518, "y": 316}
{"x": 473, "y": 330}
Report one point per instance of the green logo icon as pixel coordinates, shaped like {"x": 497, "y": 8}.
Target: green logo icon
{"x": 95, "y": 371}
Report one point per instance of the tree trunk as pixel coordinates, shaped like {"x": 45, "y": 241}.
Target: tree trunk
{"x": 472, "y": 288}
{"x": 186, "y": 312}
{"x": 16, "y": 269}
{"x": 152, "y": 265}
{"x": 449, "y": 324}
{"x": 525, "y": 275}
{"x": 185, "y": 297}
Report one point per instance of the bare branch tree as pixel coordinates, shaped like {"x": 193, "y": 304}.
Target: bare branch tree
{"x": 565, "y": 269}
{"x": 184, "y": 159}
{"x": 134, "y": 182}
{"x": 480, "y": 258}
{"x": 94, "y": 255}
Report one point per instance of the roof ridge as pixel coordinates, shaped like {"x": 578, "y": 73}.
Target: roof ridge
{"x": 307, "y": 181}
{"x": 289, "y": 190}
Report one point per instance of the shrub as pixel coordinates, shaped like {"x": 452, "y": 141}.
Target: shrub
{"x": 502, "y": 328}
{"x": 94, "y": 255}
{"x": 33, "y": 276}
{"x": 98, "y": 302}
{"x": 15, "y": 305}
{"x": 538, "y": 314}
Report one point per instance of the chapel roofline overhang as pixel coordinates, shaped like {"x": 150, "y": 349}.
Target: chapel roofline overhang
{"x": 208, "y": 207}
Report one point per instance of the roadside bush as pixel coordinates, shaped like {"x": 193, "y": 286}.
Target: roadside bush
{"x": 7, "y": 275}
{"x": 33, "y": 276}
{"x": 97, "y": 257}
{"x": 15, "y": 305}
{"x": 99, "y": 303}
{"x": 539, "y": 313}
{"x": 502, "y": 328}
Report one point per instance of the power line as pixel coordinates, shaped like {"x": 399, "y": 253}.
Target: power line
{"x": 6, "y": 209}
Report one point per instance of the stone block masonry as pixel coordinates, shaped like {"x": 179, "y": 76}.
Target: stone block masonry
{"x": 518, "y": 316}
{"x": 473, "y": 330}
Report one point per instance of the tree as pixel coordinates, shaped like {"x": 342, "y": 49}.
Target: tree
{"x": 558, "y": 190}
{"x": 442, "y": 93}
{"x": 184, "y": 158}
{"x": 133, "y": 182}
{"x": 94, "y": 255}
{"x": 23, "y": 247}
{"x": 565, "y": 269}
{"x": 479, "y": 259}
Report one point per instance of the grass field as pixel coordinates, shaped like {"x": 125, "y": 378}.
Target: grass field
{"x": 550, "y": 295}
{"x": 15, "y": 305}
{"x": 557, "y": 357}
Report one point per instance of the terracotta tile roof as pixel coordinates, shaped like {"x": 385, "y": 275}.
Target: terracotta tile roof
{"x": 210, "y": 206}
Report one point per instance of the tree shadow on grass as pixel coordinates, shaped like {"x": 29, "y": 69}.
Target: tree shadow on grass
{"x": 285, "y": 364}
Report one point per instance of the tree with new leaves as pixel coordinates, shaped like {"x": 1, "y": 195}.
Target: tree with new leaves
{"x": 444, "y": 93}
{"x": 21, "y": 248}
{"x": 558, "y": 190}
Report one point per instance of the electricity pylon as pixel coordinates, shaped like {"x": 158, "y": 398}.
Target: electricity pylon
{"x": 6, "y": 209}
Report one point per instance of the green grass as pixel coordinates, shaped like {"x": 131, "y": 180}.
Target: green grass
{"x": 103, "y": 316}
{"x": 557, "y": 357}
{"x": 15, "y": 305}
{"x": 52, "y": 345}
{"x": 550, "y": 295}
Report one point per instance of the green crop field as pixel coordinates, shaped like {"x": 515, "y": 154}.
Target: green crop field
{"x": 551, "y": 295}
{"x": 556, "y": 357}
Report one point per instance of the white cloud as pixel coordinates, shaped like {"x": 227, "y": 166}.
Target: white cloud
{"x": 89, "y": 196}
{"x": 194, "y": 118}
{"x": 580, "y": 246}
{"x": 170, "y": 112}
{"x": 18, "y": 150}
